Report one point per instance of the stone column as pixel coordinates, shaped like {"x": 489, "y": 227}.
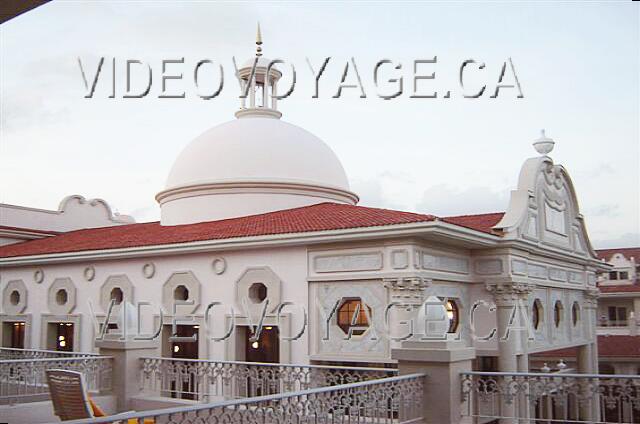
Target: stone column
{"x": 636, "y": 307}
{"x": 126, "y": 375}
{"x": 407, "y": 292}
{"x": 443, "y": 362}
{"x": 511, "y": 342}
{"x": 588, "y": 354}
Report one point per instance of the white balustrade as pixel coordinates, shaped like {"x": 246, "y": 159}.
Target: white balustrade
{"x": 24, "y": 380}
{"x": 387, "y": 400}
{"x": 209, "y": 380}
{"x": 552, "y": 397}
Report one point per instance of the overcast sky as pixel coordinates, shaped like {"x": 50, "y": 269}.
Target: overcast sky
{"x": 578, "y": 66}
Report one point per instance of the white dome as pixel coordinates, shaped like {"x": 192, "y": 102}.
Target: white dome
{"x": 248, "y": 166}
{"x": 257, "y": 149}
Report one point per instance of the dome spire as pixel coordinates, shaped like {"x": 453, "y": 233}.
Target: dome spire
{"x": 259, "y": 90}
{"x": 258, "y": 42}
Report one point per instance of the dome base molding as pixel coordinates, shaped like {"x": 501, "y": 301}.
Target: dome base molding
{"x": 221, "y": 200}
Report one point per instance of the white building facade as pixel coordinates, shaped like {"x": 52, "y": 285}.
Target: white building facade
{"x": 257, "y": 215}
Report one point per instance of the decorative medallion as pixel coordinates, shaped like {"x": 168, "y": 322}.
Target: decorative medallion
{"x": 219, "y": 265}
{"x": 148, "y": 270}
{"x": 38, "y": 276}
{"x": 89, "y": 273}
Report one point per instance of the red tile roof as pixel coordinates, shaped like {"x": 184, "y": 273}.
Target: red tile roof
{"x": 483, "y": 222}
{"x": 320, "y": 217}
{"x": 629, "y": 288}
{"x": 628, "y": 252}
{"x": 613, "y": 346}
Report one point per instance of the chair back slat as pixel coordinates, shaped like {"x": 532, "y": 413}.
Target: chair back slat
{"x": 68, "y": 394}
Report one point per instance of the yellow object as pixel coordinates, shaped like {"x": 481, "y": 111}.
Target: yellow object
{"x": 98, "y": 412}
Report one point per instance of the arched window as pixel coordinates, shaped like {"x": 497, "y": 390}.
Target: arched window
{"x": 347, "y": 310}
{"x": 453, "y": 314}
{"x": 537, "y": 312}
{"x": 575, "y": 313}
{"x": 558, "y": 310}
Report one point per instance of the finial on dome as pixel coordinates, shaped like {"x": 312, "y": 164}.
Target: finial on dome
{"x": 258, "y": 41}
{"x": 543, "y": 145}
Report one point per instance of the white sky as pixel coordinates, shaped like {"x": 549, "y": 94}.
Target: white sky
{"x": 578, "y": 65}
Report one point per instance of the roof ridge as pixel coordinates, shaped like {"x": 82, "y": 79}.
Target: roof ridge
{"x": 474, "y": 214}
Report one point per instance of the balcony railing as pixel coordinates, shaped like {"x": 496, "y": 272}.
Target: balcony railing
{"x": 552, "y": 398}
{"x": 208, "y": 380}
{"x": 24, "y": 380}
{"x": 388, "y": 400}
{"x": 613, "y": 323}
{"x": 11, "y": 353}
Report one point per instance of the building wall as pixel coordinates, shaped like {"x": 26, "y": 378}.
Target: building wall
{"x": 379, "y": 272}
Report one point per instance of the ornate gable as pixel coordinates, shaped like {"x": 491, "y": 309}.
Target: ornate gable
{"x": 544, "y": 208}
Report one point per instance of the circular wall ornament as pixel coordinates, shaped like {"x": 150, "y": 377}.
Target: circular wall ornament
{"x": 219, "y": 265}
{"x": 89, "y": 273}
{"x": 148, "y": 270}
{"x": 38, "y": 276}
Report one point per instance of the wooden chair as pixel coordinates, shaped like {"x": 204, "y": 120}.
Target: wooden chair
{"x": 72, "y": 402}
{"x": 69, "y": 394}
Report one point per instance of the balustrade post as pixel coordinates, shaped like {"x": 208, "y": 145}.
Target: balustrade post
{"x": 443, "y": 362}
{"x": 126, "y": 378}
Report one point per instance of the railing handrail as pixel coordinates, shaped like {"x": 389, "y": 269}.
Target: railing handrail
{"x": 275, "y": 364}
{"x": 251, "y": 400}
{"x": 54, "y": 352}
{"x": 69, "y": 359}
{"x": 542, "y": 374}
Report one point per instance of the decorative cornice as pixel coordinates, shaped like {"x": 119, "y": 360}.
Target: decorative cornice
{"x": 591, "y": 298}
{"x": 412, "y": 283}
{"x": 256, "y": 186}
{"x": 505, "y": 293}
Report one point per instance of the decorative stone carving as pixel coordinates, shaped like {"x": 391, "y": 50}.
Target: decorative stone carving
{"x": 576, "y": 277}
{"x": 518, "y": 267}
{"x": 445, "y": 263}
{"x": 149, "y": 270}
{"x": 62, "y": 296}
{"x": 265, "y": 276}
{"x": 89, "y": 273}
{"x": 537, "y": 271}
{"x": 557, "y": 274}
{"x": 14, "y": 297}
{"x": 489, "y": 266}
{"x": 532, "y": 227}
{"x": 506, "y": 293}
{"x": 38, "y": 276}
{"x": 555, "y": 217}
{"x": 181, "y": 286}
{"x": 406, "y": 288}
{"x": 591, "y": 298}
{"x": 120, "y": 281}
{"x": 546, "y": 194}
{"x": 348, "y": 262}
{"x": 370, "y": 344}
{"x": 399, "y": 259}
{"x": 219, "y": 266}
